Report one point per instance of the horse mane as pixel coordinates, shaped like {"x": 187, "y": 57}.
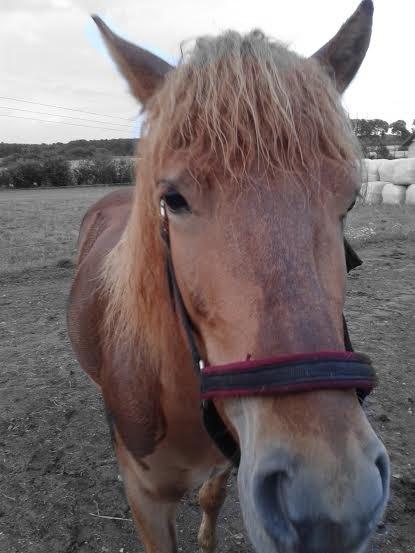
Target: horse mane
{"x": 236, "y": 103}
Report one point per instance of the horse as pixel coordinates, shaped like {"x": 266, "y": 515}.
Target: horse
{"x": 207, "y": 301}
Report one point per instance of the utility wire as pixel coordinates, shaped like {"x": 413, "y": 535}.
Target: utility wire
{"x": 58, "y": 122}
{"x": 67, "y": 116}
{"x": 62, "y": 107}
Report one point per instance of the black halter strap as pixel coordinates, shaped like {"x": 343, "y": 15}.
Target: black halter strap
{"x": 323, "y": 370}
{"x": 176, "y": 296}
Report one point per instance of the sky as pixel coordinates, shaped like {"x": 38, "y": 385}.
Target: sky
{"x": 51, "y": 53}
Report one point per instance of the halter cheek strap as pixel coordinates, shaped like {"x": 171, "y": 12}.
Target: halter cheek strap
{"x": 284, "y": 374}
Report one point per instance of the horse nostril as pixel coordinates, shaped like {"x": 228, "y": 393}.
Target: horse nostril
{"x": 269, "y": 499}
{"x": 382, "y": 464}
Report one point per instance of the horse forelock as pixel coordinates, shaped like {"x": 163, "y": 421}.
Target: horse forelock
{"x": 234, "y": 103}
{"x": 237, "y": 101}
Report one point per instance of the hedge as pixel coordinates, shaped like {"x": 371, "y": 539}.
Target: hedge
{"x": 57, "y": 171}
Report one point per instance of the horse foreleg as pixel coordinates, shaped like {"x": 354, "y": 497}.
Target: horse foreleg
{"x": 154, "y": 521}
{"x": 154, "y": 515}
{"x": 211, "y": 497}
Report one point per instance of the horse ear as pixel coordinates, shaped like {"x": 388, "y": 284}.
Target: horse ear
{"x": 143, "y": 70}
{"x": 344, "y": 53}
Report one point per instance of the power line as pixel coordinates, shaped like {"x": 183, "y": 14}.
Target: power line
{"x": 58, "y": 122}
{"x": 66, "y": 116}
{"x": 62, "y": 107}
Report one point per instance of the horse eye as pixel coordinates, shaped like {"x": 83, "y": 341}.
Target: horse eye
{"x": 175, "y": 202}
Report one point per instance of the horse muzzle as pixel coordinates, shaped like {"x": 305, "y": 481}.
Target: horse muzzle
{"x": 294, "y": 506}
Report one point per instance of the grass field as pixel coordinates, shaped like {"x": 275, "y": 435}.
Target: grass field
{"x": 40, "y": 227}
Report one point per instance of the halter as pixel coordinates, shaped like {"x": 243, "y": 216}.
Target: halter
{"x": 283, "y": 374}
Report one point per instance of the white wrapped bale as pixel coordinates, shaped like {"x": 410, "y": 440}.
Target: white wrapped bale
{"x": 387, "y": 170}
{"x": 393, "y": 194}
{"x": 370, "y": 170}
{"x": 410, "y": 195}
{"x": 404, "y": 171}
{"x": 372, "y": 192}
{"x": 361, "y": 199}
{"x": 362, "y": 170}
{"x": 398, "y": 171}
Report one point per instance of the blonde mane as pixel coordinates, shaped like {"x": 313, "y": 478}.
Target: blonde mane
{"x": 234, "y": 103}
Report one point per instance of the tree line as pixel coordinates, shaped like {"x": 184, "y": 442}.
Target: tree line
{"x": 375, "y": 135}
{"x": 57, "y": 171}
{"x": 75, "y": 149}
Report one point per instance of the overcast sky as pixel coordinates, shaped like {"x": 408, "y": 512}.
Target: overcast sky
{"x": 51, "y": 54}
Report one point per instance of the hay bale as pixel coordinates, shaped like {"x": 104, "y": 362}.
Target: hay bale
{"x": 370, "y": 170}
{"x": 362, "y": 170}
{"x": 362, "y": 193}
{"x": 404, "y": 171}
{"x": 398, "y": 171}
{"x": 410, "y": 195}
{"x": 372, "y": 192}
{"x": 393, "y": 194}
{"x": 386, "y": 170}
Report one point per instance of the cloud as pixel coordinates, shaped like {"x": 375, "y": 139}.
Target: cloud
{"x": 32, "y": 6}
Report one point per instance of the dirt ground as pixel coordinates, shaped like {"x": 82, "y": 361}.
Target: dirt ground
{"x": 58, "y": 476}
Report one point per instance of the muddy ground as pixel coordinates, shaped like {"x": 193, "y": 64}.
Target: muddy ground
{"x": 57, "y": 469}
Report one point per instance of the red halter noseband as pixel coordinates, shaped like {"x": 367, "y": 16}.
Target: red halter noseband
{"x": 284, "y": 374}
{"x": 323, "y": 370}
